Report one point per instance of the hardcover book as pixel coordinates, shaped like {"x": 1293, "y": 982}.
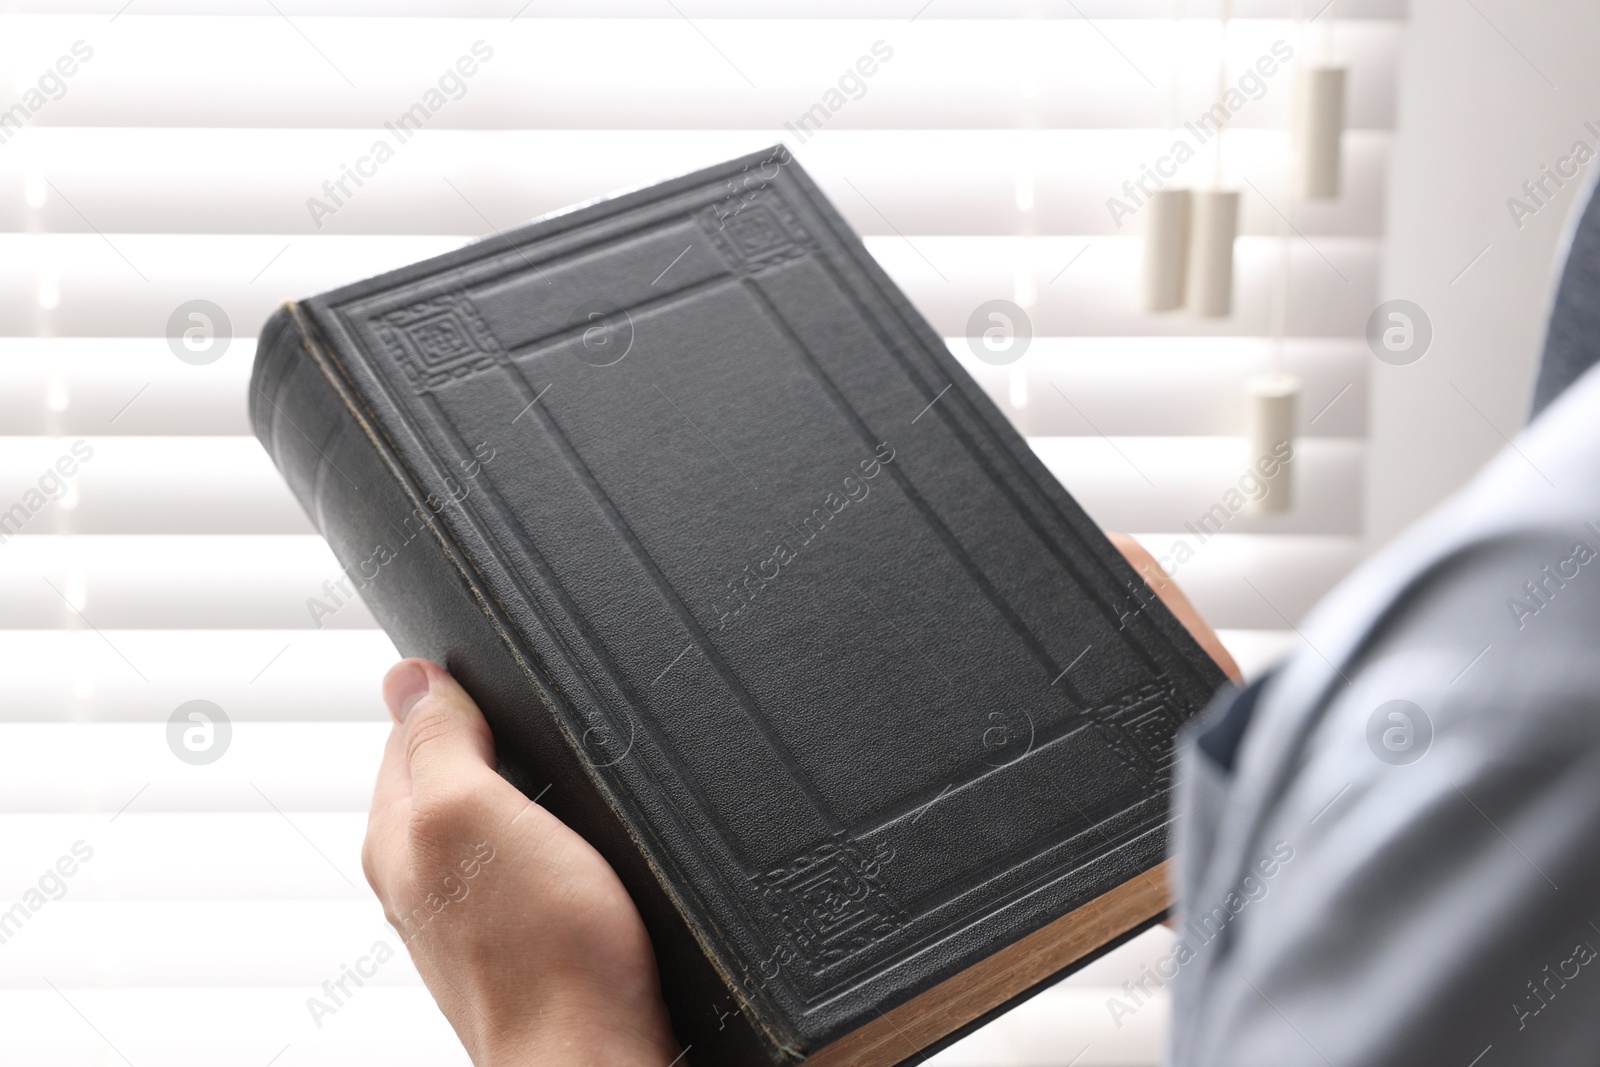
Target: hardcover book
{"x": 762, "y": 595}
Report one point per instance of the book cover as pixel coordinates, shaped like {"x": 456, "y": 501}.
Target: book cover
{"x": 760, "y": 594}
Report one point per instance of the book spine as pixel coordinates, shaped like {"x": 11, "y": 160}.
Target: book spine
{"x": 419, "y": 595}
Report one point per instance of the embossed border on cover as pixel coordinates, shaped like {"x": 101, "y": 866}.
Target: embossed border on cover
{"x": 439, "y": 339}
{"x": 831, "y": 900}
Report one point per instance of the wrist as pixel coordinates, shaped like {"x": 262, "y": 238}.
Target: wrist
{"x": 567, "y": 1035}
{"x": 597, "y": 1048}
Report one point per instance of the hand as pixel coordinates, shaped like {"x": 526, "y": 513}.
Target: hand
{"x": 1140, "y": 559}
{"x": 522, "y": 932}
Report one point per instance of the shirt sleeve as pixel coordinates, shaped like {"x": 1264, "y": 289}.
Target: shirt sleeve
{"x": 1428, "y": 886}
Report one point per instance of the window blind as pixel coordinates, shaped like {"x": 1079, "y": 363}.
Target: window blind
{"x": 204, "y": 151}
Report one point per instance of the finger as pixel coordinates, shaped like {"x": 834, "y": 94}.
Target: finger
{"x": 393, "y": 786}
{"x": 1179, "y": 604}
{"x": 383, "y": 854}
{"x": 1167, "y": 590}
{"x": 1140, "y": 559}
{"x": 447, "y": 741}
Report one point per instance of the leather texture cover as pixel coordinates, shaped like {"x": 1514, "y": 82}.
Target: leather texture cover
{"x": 757, "y": 589}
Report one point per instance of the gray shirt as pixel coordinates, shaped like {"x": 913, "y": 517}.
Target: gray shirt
{"x": 1398, "y": 862}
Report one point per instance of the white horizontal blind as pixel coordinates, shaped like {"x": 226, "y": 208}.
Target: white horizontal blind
{"x": 175, "y": 162}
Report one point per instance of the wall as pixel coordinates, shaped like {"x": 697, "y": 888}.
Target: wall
{"x": 1490, "y": 92}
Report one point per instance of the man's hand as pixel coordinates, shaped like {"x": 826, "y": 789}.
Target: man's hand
{"x": 521, "y": 930}
{"x": 1140, "y": 559}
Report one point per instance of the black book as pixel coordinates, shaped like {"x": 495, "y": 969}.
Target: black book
{"x": 759, "y": 593}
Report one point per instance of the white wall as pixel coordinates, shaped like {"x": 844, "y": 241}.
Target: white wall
{"x": 1490, "y": 91}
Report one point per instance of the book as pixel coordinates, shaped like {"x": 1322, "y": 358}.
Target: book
{"x": 760, "y": 594}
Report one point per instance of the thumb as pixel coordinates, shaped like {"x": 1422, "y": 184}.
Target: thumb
{"x": 447, "y": 741}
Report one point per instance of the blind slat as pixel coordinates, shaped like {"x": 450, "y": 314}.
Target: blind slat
{"x": 228, "y": 485}
{"x": 60, "y": 675}
{"x": 130, "y": 285}
{"x": 195, "y": 1025}
{"x": 1125, "y": 386}
{"x": 954, "y": 182}
{"x": 668, "y": 74}
{"x": 716, "y": 9}
{"x": 267, "y": 767}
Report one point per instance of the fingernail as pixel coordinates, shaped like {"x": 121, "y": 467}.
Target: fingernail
{"x": 406, "y": 684}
